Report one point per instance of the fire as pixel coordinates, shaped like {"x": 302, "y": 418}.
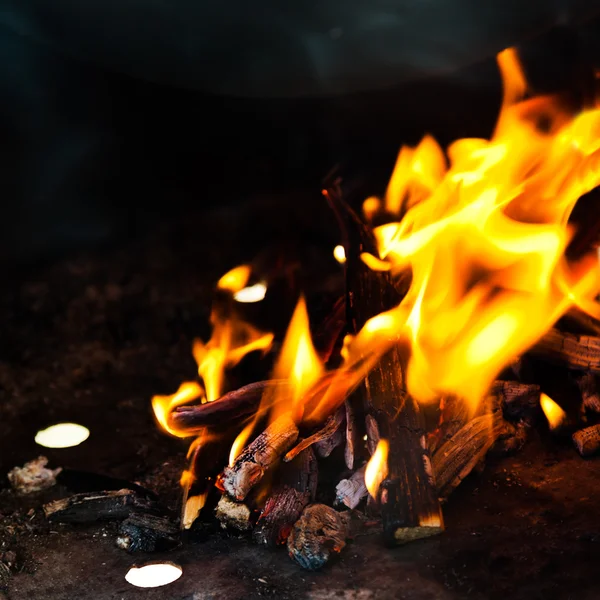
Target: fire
{"x": 377, "y": 468}
{"x": 554, "y": 413}
{"x": 339, "y": 254}
{"x": 163, "y": 406}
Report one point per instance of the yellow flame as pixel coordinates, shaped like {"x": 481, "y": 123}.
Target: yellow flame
{"x": 554, "y": 413}
{"x": 163, "y": 406}
{"x": 236, "y": 279}
{"x": 377, "y": 468}
{"x": 252, "y": 293}
{"x": 240, "y": 442}
{"x": 339, "y": 254}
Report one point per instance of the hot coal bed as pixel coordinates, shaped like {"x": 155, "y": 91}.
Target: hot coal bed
{"x": 91, "y": 337}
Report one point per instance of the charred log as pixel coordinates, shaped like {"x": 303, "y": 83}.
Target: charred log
{"x": 147, "y": 533}
{"x": 587, "y": 441}
{"x": 251, "y": 465}
{"x": 515, "y": 399}
{"x": 328, "y": 437}
{"x": 588, "y": 386}
{"x": 296, "y": 488}
{"x": 319, "y": 534}
{"x": 580, "y": 352}
{"x": 353, "y": 433}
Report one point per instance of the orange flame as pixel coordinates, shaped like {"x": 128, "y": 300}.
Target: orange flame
{"x": 377, "y": 468}
{"x": 163, "y": 406}
{"x": 554, "y": 413}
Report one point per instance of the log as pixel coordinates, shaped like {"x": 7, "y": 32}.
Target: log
{"x": 296, "y": 488}
{"x": 351, "y": 491}
{"x": 590, "y": 395}
{"x": 251, "y": 465}
{"x": 147, "y": 533}
{"x": 456, "y": 458}
{"x": 410, "y": 507}
{"x": 511, "y": 437}
{"x": 233, "y": 515}
{"x": 373, "y": 436}
{"x": 579, "y": 352}
{"x": 353, "y": 433}
{"x": 319, "y": 534}
{"x": 329, "y": 331}
{"x": 587, "y": 441}
{"x": 110, "y": 505}
{"x": 326, "y": 434}
{"x": 234, "y": 406}
{"x": 453, "y": 417}
{"x": 514, "y": 398}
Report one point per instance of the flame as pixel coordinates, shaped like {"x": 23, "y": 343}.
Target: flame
{"x": 377, "y": 468}
{"x": 554, "y": 413}
{"x": 339, "y": 254}
{"x": 252, "y": 293}
{"x": 240, "y": 442}
{"x": 163, "y": 406}
{"x": 236, "y": 279}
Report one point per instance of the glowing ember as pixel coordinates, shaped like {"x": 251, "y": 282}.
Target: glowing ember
{"x": 253, "y": 293}
{"x": 554, "y": 413}
{"x": 62, "y": 435}
{"x": 377, "y": 468}
{"x": 339, "y": 254}
{"x": 153, "y": 575}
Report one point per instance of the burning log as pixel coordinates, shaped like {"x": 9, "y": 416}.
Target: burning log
{"x": 326, "y": 437}
{"x": 511, "y": 437}
{"x": 233, "y": 515}
{"x": 455, "y": 459}
{"x": 146, "y": 533}
{"x": 580, "y": 352}
{"x": 350, "y": 492}
{"x": 250, "y": 466}
{"x": 234, "y": 406}
{"x": 319, "y": 533}
{"x": 588, "y": 386}
{"x": 587, "y": 441}
{"x": 352, "y": 432}
{"x": 453, "y": 416}
{"x": 515, "y": 398}
{"x": 297, "y": 487}
{"x": 99, "y": 506}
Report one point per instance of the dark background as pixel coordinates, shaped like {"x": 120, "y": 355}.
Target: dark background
{"x": 89, "y": 156}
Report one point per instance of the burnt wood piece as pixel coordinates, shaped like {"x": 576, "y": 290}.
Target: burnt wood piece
{"x": 576, "y": 319}
{"x": 353, "y": 433}
{"x": 351, "y": 491}
{"x": 453, "y": 417}
{"x": 510, "y": 438}
{"x": 587, "y": 441}
{"x": 297, "y": 487}
{"x": 515, "y": 399}
{"x": 236, "y": 405}
{"x": 147, "y": 533}
{"x": 251, "y": 465}
{"x": 319, "y": 534}
{"x": 410, "y": 508}
{"x": 329, "y": 331}
{"x": 455, "y": 459}
{"x": 588, "y": 386}
{"x": 326, "y": 434}
{"x": 373, "y": 435}
{"x": 580, "y": 352}
{"x": 233, "y": 515}
{"x": 99, "y": 506}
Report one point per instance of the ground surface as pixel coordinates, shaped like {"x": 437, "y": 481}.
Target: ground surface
{"x": 91, "y": 338}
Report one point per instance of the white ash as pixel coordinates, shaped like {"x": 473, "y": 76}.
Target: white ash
{"x": 33, "y": 476}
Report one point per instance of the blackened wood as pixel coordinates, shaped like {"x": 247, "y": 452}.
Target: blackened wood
{"x": 514, "y": 398}
{"x": 511, "y": 437}
{"x": 296, "y": 487}
{"x": 236, "y": 405}
{"x": 251, "y": 465}
{"x": 373, "y": 435}
{"x": 587, "y": 441}
{"x": 409, "y": 504}
{"x": 351, "y": 491}
{"x": 353, "y": 431}
{"x": 147, "y": 533}
{"x": 233, "y": 515}
{"x": 319, "y": 534}
{"x": 454, "y": 415}
{"x": 580, "y": 352}
{"x": 590, "y": 395}
{"x": 328, "y": 333}
{"x": 455, "y": 459}
{"x": 99, "y": 506}
{"x": 332, "y": 425}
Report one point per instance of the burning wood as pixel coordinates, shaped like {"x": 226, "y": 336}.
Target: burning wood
{"x": 514, "y": 398}
{"x": 262, "y": 454}
{"x": 580, "y": 352}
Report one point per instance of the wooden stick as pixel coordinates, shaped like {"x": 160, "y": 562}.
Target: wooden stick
{"x": 350, "y": 492}
{"x": 251, "y": 465}
{"x": 319, "y": 534}
{"x": 580, "y": 352}
{"x": 233, "y": 406}
{"x": 333, "y": 423}
{"x": 587, "y": 441}
{"x": 297, "y": 486}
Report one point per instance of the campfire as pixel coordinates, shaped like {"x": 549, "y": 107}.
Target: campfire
{"x": 462, "y": 282}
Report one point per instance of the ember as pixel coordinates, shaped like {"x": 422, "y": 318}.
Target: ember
{"x": 458, "y": 281}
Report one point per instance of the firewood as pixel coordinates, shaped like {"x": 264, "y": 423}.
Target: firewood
{"x": 146, "y": 533}
{"x": 373, "y": 436}
{"x": 296, "y": 487}
{"x": 588, "y": 386}
{"x": 580, "y": 352}
{"x": 409, "y": 504}
{"x": 511, "y": 437}
{"x": 99, "y": 506}
{"x": 332, "y": 425}
{"x": 587, "y": 441}
{"x": 351, "y": 491}
{"x": 353, "y": 434}
{"x": 251, "y": 465}
{"x": 455, "y": 459}
{"x": 236, "y": 405}
{"x": 453, "y": 417}
{"x": 514, "y": 398}
{"x": 319, "y": 534}
{"x": 233, "y": 515}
